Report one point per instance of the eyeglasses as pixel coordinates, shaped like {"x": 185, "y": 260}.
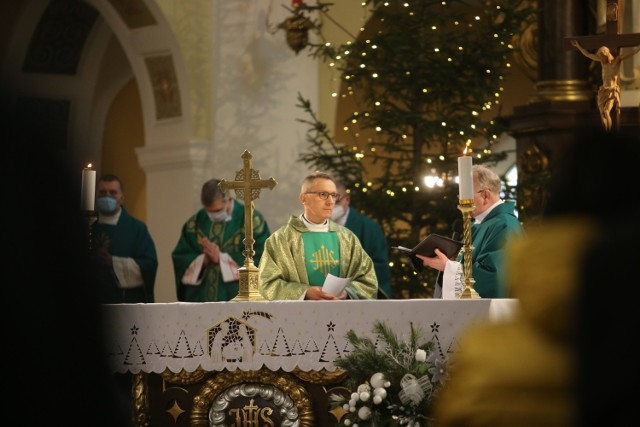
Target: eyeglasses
{"x": 324, "y": 195}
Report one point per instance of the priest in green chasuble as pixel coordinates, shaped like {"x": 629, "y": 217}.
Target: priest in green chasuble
{"x": 298, "y": 257}
{"x": 210, "y": 248}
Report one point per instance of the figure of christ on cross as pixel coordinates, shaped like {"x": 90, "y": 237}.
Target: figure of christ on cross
{"x": 606, "y": 52}
{"x": 609, "y": 92}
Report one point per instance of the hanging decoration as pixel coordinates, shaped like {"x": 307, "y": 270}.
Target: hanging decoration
{"x": 297, "y": 28}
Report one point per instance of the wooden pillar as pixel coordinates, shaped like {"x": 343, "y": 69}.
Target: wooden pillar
{"x": 562, "y": 75}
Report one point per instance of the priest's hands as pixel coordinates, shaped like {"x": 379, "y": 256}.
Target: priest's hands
{"x": 437, "y": 262}
{"x": 211, "y": 251}
{"x": 102, "y": 257}
{"x": 315, "y": 293}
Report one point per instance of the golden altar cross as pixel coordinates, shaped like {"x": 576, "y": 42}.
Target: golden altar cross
{"x": 613, "y": 40}
{"x": 247, "y": 185}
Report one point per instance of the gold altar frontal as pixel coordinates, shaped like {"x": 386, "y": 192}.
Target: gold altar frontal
{"x": 237, "y": 398}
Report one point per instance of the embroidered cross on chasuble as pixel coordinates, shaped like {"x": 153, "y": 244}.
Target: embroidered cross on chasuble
{"x": 322, "y": 255}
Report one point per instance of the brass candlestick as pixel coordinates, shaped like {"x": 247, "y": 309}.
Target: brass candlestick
{"x": 466, "y": 207}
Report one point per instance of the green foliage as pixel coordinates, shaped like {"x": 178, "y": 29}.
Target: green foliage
{"x": 425, "y": 78}
{"x": 395, "y": 358}
{"x": 397, "y": 362}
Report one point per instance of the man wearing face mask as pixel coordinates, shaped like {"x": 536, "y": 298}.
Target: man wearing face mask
{"x": 370, "y": 235}
{"x": 211, "y": 245}
{"x": 123, "y": 249}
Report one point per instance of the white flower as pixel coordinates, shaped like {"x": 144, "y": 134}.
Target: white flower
{"x": 438, "y": 370}
{"x": 377, "y": 399}
{"x": 347, "y": 422}
{"x": 364, "y": 396}
{"x": 355, "y": 396}
{"x": 364, "y": 413}
{"x": 364, "y": 388}
{"x": 380, "y": 392}
{"x": 421, "y": 355}
{"x": 377, "y": 380}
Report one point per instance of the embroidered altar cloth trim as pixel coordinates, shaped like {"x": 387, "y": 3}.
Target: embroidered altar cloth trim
{"x": 287, "y": 335}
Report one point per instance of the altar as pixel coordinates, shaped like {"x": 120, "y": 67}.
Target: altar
{"x": 186, "y": 358}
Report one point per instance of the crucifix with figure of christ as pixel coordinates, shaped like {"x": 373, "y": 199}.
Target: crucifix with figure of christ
{"x": 607, "y": 52}
{"x": 247, "y": 186}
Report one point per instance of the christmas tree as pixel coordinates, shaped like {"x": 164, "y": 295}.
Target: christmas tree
{"x": 424, "y": 81}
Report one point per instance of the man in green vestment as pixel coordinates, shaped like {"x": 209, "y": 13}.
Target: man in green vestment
{"x": 123, "y": 248}
{"x": 210, "y": 249}
{"x": 299, "y": 256}
{"x": 495, "y": 222}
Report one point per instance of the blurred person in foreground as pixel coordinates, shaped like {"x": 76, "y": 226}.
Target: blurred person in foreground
{"x": 565, "y": 357}
{"x": 60, "y": 374}
{"x": 299, "y": 256}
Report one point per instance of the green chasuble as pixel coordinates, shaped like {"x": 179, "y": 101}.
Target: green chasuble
{"x": 373, "y": 241}
{"x": 488, "y": 239}
{"x": 129, "y": 238}
{"x": 284, "y": 272}
{"x": 229, "y": 235}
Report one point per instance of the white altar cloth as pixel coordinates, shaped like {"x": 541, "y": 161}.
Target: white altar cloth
{"x": 307, "y": 335}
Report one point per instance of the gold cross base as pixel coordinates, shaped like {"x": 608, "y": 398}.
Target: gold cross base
{"x": 249, "y": 277}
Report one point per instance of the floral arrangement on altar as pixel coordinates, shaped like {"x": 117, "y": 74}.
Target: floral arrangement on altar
{"x": 392, "y": 384}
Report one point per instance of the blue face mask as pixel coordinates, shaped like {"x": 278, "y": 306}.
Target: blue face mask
{"x": 220, "y": 216}
{"x": 107, "y": 205}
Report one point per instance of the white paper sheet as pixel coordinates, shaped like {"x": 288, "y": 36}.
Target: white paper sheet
{"x": 335, "y": 285}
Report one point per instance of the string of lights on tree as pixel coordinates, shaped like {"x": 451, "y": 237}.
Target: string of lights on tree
{"x": 424, "y": 80}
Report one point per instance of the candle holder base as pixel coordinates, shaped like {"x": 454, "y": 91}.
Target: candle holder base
{"x": 469, "y": 293}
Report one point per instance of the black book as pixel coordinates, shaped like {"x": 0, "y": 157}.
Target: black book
{"x": 427, "y": 246}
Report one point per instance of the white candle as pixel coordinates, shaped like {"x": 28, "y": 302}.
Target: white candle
{"x": 88, "y": 193}
{"x": 465, "y": 178}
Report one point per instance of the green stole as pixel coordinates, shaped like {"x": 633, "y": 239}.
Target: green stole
{"x": 322, "y": 255}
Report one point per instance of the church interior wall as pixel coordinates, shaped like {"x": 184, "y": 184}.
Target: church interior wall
{"x": 123, "y": 133}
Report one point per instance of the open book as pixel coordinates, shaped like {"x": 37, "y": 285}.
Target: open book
{"x": 427, "y": 246}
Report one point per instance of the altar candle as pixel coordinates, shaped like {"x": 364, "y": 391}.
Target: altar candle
{"x": 465, "y": 177}
{"x": 88, "y": 192}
